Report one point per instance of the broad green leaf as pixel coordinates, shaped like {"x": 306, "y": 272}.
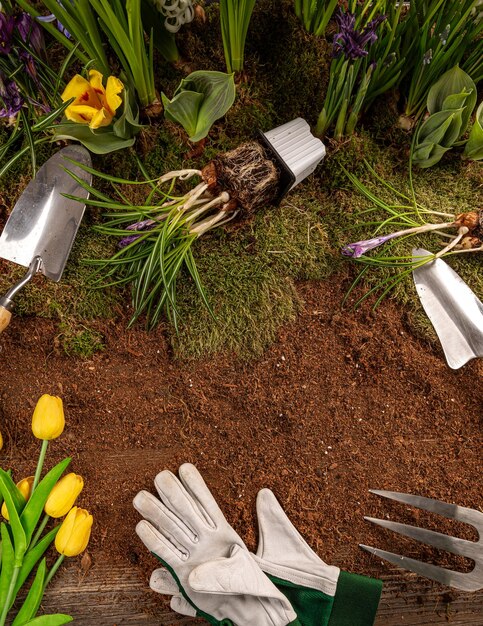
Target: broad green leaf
{"x": 34, "y": 507}
{"x": 34, "y": 597}
{"x": 50, "y": 620}
{"x": 425, "y": 157}
{"x": 443, "y": 128}
{"x": 127, "y": 125}
{"x": 474, "y": 145}
{"x": 456, "y": 100}
{"x": 454, "y": 81}
{"x": 7, "y": 563}
{"x": 102, "y": 142}
{"x": 18, "y": 532}
{"x": 17, "y": 497}
{"x": 184, "y": 109}
{"x": 201, "y": 99}
{"x": 32, "y": 556}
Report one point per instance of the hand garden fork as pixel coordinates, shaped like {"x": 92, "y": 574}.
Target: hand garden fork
{"x": 471, "y": 581}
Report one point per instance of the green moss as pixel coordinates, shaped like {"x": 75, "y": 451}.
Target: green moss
{"x": 80, "y": 341}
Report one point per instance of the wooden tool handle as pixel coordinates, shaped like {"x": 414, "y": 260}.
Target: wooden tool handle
{"x": 5, "y": 317}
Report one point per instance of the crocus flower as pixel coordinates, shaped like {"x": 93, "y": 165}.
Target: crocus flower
{"x": 143, "y": 225}
{"x": 48, "y": 419}
{"x": 74, "y": 533}
{"x": 25, "y": 488}
{"x": 93, "y": 104}
{"x": 30, "y": 32}
{"x": 62, "y": 497}
{"x": 10, "y": 99}
{"x": 350, "y": 42}
{"x": 60, "y": 27}
{"x": 7, "y": 24}
{"x": 357, "y": 249}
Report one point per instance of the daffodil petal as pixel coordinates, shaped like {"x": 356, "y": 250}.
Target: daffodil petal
{"x": 81, "y": 113}
{"x": 101, "y": 118}
{"x": 113, "y": 89}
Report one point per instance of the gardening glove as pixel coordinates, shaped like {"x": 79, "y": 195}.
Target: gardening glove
{"x": 321, "y": 594}
{"x": 209, "y": 562}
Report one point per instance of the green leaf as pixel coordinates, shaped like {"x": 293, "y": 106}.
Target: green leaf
{"x": 163, "y": 40}
{"x": 443, "y": 128}
{"x": 17, "y": 497}
{"x": 19, "y": 536}
{"x": 102, "y": 141}
{"x": 425, "y": 157}
{"x": 50, "y": 620}
{"x": 200, "y": 99}
{"x": 34, "y": 597}
{"x": 32, "y": 556}
{"x": 34, "y": 507}
{"x": 7, "y": 563}
{"x": 474, "y": 145}
{"x": 454, "y": 81}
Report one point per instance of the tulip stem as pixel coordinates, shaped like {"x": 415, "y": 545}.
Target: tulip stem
{"x": 54, "y": 568}
{"x": 10, "y": 592}
{"x": 39, "y": 531}
{"x": 40, "y": 463}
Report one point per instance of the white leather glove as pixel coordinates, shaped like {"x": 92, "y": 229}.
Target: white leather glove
{"x": 211, "y": 565}
{"x": 319, "y": 593}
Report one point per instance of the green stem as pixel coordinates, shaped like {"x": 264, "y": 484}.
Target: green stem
{"x": 40, "y": 463}
{"x": 53, "y": 570}
{"x": 39, "y": 531}
{"x": 11, "y": 590}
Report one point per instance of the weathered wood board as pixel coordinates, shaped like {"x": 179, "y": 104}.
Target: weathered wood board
{"x": 110, "y": 595}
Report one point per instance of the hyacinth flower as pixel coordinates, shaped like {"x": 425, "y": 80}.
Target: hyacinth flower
{"x": 462, "y": 233}
{"x": 350, "y": 73}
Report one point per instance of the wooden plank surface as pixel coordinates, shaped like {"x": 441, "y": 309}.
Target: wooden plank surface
{"x": 110, "y": 595}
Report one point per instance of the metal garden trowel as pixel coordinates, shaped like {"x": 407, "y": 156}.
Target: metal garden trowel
{"x": 453, "y": 309}
{"x": 43, "y": 224}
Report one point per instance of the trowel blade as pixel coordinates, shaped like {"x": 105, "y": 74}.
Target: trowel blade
{"x": 452, "y": 308}
{"x": 43, "y": 222}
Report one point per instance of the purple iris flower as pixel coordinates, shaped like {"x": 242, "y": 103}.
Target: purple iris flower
{"x": 7, "y": 24}
{"x": 350, "y": 42}
{"x": 357, "y": 249}
{"x": 30, "y": 32}
{"x": 10, "y": 97}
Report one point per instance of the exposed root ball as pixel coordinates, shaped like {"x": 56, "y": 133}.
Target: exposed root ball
{"x": 249, "y": 176}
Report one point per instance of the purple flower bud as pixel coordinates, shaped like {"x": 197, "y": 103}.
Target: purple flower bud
{"x": 30, "y": 32}
{"x": 10, "y": 99}
{"x": 144, "y": 225}
{"x": 29, "y": 64}
{"x": 357, "y": 249}
{"x": 7, "y": 23}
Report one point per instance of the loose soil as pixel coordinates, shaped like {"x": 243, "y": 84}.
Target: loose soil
{"x": 344, "y": 401}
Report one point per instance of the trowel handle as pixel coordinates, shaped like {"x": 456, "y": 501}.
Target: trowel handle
{"x": 7, "y": 303}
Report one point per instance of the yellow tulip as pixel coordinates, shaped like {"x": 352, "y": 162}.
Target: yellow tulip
{"x": 1, "y": 441}
{"x": 48, "y": 419}
{"x": 62, "y": 497}
{"x": 74, "y": 533}
{"x": 25, "y": 488}
{"x": 93, "y": 104}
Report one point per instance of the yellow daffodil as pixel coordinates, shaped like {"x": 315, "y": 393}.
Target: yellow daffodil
{"x": 74, "y": 533}
{"x": 25, "y": 488}
{"x": 62, "y": 497}
{"x": 48, "y": 419}
{"x": 94, "y": 104}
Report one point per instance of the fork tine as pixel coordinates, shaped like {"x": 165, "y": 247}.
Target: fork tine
{"x": 452, "y": 511}
{"x": 465, "y": 582}
{"x": 438, "y": 540}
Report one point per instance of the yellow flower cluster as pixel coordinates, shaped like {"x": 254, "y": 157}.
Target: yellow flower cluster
{"x": 48, "y": 423}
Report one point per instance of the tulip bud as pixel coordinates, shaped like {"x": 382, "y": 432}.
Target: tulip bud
{"x": 1, "y": 441}
{"x": 25, "y": 488}
{"x": 62, "y": 497}
{"x": 74, "y": 533}
{"x": 48, "y": 419}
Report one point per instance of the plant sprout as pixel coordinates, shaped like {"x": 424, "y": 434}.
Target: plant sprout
{"x": 463, "y": 233}
{"x": 156, "y": 237}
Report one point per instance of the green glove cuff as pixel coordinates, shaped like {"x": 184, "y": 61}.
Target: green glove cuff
{"x": 313, "y": 607}
{"x": 356, "y": 600}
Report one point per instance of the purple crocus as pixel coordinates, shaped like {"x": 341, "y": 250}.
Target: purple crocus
{"x": 7, "y": 24}
{"x": 10, "y": 99}
{"x": 30, "y": 32}
{"x": 357, "y": 249}
{"x": 349, "y": 41}
{"x": 144, "y": 225}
